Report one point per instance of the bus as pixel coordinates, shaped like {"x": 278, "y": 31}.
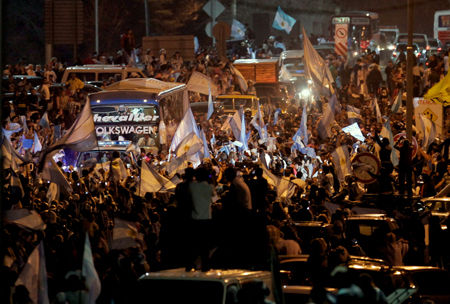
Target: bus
{"x": 128, "y": 114}
{"x": 442, "y": 26}
{"x": 362, "y": 26}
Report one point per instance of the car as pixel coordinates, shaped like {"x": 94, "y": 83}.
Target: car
{"x": 420, "y": 39}
{"x": 366, "y": 229}
{"x": 216, "y": 286}
{"x": 435, "y": 46}
{"x": 401, "y": 47}
{"x": 291, "y": 66}
{"x": 400, "y": 284}
{"x": 301, "y": 294}
{"x": 325, "y": 49}
{"x": 309, "y": 230}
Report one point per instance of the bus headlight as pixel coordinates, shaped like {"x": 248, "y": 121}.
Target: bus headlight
{"x": 391, "y": 47}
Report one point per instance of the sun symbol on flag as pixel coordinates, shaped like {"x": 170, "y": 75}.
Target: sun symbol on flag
{"x": 282, "y": 24}
{"x": 342, "y": 161}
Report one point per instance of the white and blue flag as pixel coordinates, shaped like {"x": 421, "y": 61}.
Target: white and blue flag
{"x": 237, "y": 30}
{"x": 282, "y": 21}
{"x": 210, "y": 105}
{"x": 397, "y": 103}
{"x": 354, "y": 131}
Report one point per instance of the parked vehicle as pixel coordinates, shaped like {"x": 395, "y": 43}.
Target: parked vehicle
{"x": 435, "y": 46}
{"x": 211, "y": 287}
{"x": 401, "y": 47}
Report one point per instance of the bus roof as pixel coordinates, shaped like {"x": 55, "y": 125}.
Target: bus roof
{"x": 122, "y": 97}
{"x": 147, "y": 85}
{"x": 372, "y": 15}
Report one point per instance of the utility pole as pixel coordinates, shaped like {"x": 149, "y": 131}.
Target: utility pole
{"x": 409, "y": 76}
{"x": 147, "y": 19}
{"x": 96, "y": 28}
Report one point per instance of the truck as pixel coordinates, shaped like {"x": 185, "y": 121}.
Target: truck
{"x": 264, "y": 73}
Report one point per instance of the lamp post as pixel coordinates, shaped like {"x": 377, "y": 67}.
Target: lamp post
{"x": 409, "y": 76}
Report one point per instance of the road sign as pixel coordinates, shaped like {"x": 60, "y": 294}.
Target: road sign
{"x": 432, "y": 110}
{"x": 415, "y": 146}
{"x": 213, "y": 8}
{"x": 363, "y": 163}
{"x": 340, "y": 39}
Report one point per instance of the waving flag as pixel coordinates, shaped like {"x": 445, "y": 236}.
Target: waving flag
{"x": 243, "y": 137}
{"x": 397, "y": 103}
{"x": 353, "y": 114}
{"x": 37, "y": 143}
{"x": 34, "y": 276}
{"x": 152, "y": 181}
{"x": 334, "y": 104}
{"x": 427, "y": 129}
{"x": 354, "y": 131}
{"x": 210, "y": 106}
{"x": 258, "y": 123}
{"x": 239, "y": 78}
{"x": 88, "y": 271}
{"x": 237, "y": 30}
{"x": 25, "y": 218}
{"x": 275, "y": 116}
{"x": 282, "y": 21}
{"x": 325, "y": 123}
{"x": 377, "y": 110}
{"x": 205, "y": 146}
{"x": 341, "y": 162}
{"x": 387, "y": 132}
{"x": 44, "y": 122}
{"x": 186, "y": 126}
{"x": 125, "y": 235}
{"x": 162, "y": 132}
{"x": 316, "y": 68}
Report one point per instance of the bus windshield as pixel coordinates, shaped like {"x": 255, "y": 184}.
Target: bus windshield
{"x": 125, "y": 122}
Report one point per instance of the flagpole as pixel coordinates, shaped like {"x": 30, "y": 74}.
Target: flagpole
{"x": 409, "y": 75}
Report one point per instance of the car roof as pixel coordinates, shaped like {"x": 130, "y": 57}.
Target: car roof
{"x": 374, "y": 216}
{"x": 101, "y": 67}
{"x": 354, "y": 259}
{"x": 223, "y": 275}
{"x": 236, "y": 96}
{"x": 292, "y": 54}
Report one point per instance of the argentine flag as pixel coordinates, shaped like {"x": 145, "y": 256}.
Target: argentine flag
{"x": 237, "y": 30}
{"x": 283, "y": 21}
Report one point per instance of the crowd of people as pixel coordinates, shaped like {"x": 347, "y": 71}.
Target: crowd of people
{"x": 235, "y": 207}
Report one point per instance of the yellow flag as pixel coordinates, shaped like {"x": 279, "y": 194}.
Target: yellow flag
{"x": 440, "y": 92}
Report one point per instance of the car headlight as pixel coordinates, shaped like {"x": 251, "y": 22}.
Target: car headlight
{"x": 305, "y": 93}
{"x": 391, "y": 47}
{"x": 355, "y": 54}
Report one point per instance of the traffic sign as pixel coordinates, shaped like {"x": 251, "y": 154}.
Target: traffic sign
{"x": 340, "y": 39}
{"x": 363, "y": 163}
{"x": 213, "y": 8}
{"x": 415, "y": 146}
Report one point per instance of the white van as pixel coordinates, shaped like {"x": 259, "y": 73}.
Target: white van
{"x": 211, "y": 287}
{"x": 99, "y": 72}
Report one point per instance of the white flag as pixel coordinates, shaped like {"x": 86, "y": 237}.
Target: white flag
{"x": 427, "y": 129}
{"x": 201, "y": 83}
{"x": 37, "y": 143}
{"x": 88, "y": 271}
{"x": 125, "y": 235}
{"x": 240, "y": 78}
{"x": 25, "y": 218}
{"x": 187, "y": 125}
{"x": 152, "y": 181}
{"x": 34, "y": 276}
{"x": 53, "y": 173}
{"x": 81, "y": 135}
